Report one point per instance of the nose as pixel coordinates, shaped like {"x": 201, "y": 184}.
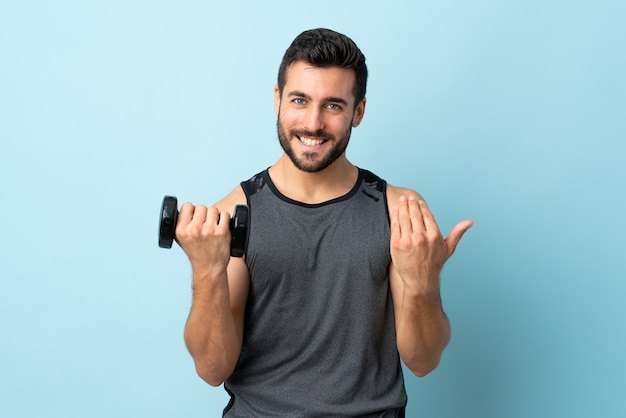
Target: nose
{"x": 313, "y": 119}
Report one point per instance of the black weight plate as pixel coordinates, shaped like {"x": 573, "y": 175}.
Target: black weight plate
{"x": 239, "y": 231}
{"x": 167, "y": 226}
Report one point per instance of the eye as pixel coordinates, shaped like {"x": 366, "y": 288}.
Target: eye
{"x": 333, "y": 106}
{"x": 298, "y": 101}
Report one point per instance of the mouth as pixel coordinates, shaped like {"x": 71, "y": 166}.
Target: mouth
{"x": 312, "y": 139}
{"x": 311, "y": 142}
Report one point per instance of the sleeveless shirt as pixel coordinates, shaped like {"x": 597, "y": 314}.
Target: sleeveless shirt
{"x": 319, "y": 334}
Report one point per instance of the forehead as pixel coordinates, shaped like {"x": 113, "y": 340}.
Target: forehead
{"x": 320, "y": 81}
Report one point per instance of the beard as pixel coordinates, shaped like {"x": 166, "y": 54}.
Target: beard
{"x": 312, "y": 162}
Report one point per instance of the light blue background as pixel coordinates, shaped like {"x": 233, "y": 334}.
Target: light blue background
{"x": 509, "y": 113}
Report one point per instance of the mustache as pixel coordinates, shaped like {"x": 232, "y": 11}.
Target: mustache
{"x": 320, "y": 133}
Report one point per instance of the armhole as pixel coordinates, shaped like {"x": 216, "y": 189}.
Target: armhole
{"x": 386, "y": 200}
{"x": 253, "y": 185}
{"x": 372, "y": 181}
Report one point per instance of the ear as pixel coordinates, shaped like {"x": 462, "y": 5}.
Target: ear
{"x": 358, "y": 113}
{"x": 276, "y": 99}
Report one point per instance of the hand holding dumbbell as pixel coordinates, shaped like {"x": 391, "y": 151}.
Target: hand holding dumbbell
{"x": 238, "y": 226}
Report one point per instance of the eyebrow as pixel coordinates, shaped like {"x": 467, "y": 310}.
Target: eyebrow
{"x": 330, "y": 99}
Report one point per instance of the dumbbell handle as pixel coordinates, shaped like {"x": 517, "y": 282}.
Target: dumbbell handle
{"x": 238, "y": 226}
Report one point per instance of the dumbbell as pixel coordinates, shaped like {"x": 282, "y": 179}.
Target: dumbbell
{"x": 238, "y": 226}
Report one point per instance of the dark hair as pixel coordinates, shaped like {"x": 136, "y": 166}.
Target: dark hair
{"x": 326, "y": 48}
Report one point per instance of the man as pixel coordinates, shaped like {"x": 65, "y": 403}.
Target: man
{"x": 341, "y": 276}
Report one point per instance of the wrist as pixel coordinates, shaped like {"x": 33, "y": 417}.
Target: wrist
{"x": 425, "y": 290}
{"x": 208, "y": 276}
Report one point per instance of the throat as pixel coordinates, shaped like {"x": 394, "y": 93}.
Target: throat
{"x": 313, "y": 188}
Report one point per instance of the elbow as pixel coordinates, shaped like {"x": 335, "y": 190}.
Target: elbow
{"x": 212, "y": 377}
{"x": 424, "y": 369}
{"x": 421, "y": 367}
{"x": 212, "y": 381}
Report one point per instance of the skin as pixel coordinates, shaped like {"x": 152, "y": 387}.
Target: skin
{"x": 316, "y": 112}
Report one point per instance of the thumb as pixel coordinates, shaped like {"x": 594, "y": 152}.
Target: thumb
{"x": 456, "y": 234}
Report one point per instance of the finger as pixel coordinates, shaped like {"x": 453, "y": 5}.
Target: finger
{"x": 213, "y": 219}
{"x": 415, "y": 212}
{"x": 453, "y": 238}
{"x": 186, "y": 213}
{"x": 404, "y": 216}
{"x": 199, "y": 215}
{"x": 223, "y": 219}
{"x": 395, "y": 221}
{"x": 430, "y": 224}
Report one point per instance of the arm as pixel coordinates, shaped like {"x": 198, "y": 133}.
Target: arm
{"x": 214, "y": 329}
{"x": 418, "y": 252}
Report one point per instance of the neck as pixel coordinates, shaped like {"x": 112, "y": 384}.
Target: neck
{"x": 311, "y": 188}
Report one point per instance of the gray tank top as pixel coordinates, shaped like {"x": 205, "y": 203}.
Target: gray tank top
{"x": 319, "y": 337}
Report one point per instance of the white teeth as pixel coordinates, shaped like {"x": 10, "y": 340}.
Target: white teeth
{"x": 311, "y": 142}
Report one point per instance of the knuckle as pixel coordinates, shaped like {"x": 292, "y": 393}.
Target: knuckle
{"x": 405, "y": 244}
{"x": 420, "y": 239}
{"x": 181, "y": 233}
{"x": 433, "y": 235}
{"x": 195, "y": 231}
{"x": 186, "y": 207}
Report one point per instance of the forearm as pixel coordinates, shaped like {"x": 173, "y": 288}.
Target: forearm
{"x": 423, "y": 330}
{"x": 211, "y": 333}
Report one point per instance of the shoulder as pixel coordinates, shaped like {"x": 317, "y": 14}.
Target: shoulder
{"x": 394, "y": 193}
{"x": 232, "y": 199}
{"x": 239, "y": 196}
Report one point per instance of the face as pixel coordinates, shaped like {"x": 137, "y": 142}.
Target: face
{"x": 316, "y": 114}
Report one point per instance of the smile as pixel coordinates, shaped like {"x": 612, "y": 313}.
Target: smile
{"x": 312, "y": 142}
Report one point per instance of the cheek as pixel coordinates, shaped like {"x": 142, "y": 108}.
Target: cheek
{"x": 289, "y": 119}
{"x": 341, "y": 125}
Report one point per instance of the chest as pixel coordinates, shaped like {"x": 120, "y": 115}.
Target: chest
{"x": 318, "y": 246}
